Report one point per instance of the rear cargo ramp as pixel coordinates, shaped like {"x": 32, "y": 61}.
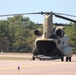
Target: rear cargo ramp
{"x": 47, "y": 48}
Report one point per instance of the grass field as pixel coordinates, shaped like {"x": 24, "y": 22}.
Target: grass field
{"x": 17, "y": 56}
{"x": 14, "y": 58}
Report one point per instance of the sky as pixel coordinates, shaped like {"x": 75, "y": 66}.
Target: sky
{"x": 29, "y": 6}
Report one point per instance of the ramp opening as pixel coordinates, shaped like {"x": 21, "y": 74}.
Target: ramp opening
{"x": 47, "y": 48}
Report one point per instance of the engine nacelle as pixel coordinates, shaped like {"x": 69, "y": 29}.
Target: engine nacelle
{"x": 60, "y": 32}
{"x": 37, "y": 32}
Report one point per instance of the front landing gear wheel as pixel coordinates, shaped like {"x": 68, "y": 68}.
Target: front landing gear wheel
{"x": 33, "y": 58}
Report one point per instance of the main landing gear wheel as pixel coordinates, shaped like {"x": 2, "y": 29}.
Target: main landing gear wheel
{"x": 68, "y": 59}
{"x": 42, "y": 59}
{"x": 33, "y": 58}
{"x": 62, "y": 58}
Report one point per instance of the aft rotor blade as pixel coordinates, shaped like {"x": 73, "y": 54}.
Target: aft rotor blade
{"x": 27, "y": 14}
{"x": 19, "y": 14}
{"x": 65, "y": 18}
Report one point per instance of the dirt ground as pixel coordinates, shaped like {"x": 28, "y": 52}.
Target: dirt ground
{"x": 29, "y": 67}
{"x": 37, "y": 67}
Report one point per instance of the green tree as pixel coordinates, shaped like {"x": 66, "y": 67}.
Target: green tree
{"x": 71, "y": 32}
{"x": 3, "y": 35}
{"x": 16, "y": 34}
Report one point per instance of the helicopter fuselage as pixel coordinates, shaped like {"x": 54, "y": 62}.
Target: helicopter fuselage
{"x": 52, "y": 44}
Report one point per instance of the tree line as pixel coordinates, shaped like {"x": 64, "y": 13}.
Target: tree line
{"x": 16, "y": 34}
{"x": 71, "y": 32}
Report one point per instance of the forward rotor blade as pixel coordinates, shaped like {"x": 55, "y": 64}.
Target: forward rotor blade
{"x": 60, "y": 24}
{"x": 65, "y": 14}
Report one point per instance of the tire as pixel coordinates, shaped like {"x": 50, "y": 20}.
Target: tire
{"x": 67, "y": 58}
{"x": 40, "y": 59}
{"x": 62, "y": 58}
{"x": 33, "y": 58}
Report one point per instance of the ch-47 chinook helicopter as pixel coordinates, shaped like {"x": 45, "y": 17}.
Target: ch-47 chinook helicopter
{"x": 52, "y": 43}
